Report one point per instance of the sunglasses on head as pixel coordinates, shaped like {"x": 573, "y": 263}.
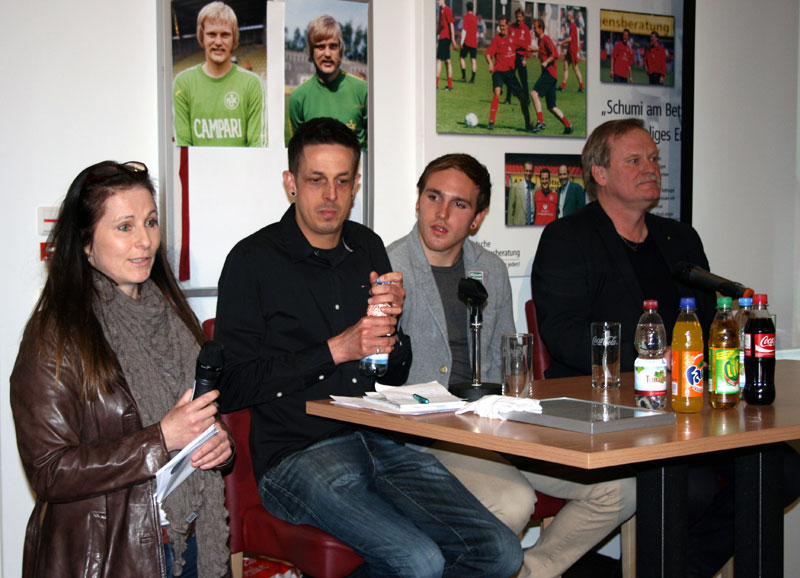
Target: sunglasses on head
{"x": 108, "y": 170}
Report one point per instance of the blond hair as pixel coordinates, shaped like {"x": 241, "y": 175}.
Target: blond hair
{"x": 321, "y": 28}
{"x": 218, "y": 12}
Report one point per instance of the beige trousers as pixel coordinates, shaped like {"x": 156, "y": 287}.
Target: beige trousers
{"x": 594, "y": 509}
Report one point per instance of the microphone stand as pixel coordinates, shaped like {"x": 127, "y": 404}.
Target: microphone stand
{"x": 474, "y": 293}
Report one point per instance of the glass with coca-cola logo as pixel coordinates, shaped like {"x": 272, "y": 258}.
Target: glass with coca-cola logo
{"x": 605, "y": 354}
{"x": 759, "y": 355}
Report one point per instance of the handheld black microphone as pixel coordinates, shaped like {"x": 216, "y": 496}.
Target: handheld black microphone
{"x": 209, "y": 367}
{"x": 694, "y": 275}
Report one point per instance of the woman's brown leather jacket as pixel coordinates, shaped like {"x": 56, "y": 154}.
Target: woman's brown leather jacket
{"x": 92, "y": 467}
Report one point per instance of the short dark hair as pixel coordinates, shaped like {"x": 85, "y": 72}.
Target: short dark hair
{"x": 544, "y": 170}
{"x": 470, "y": 166}
{"x": 470, "y": 6}
{"x": 322, "y": 130}
{"x": 596, "y": 151}
{"x": 654, "y": 33}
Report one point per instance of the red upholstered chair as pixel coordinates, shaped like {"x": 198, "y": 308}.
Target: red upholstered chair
{"x": 256, "y": 531}
{"x": 541, "y": 358}
{"x": 546, "y": 507}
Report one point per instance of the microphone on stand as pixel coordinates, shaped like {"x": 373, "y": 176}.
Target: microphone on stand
{"x": 474, "y": 294}
{"x": 209, "y": 367}
{"x": 699, "y": 277}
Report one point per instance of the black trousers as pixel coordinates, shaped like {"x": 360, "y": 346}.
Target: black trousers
{"x": 711, "y": 508}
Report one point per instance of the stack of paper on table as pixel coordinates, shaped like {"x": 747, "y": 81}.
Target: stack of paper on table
{"x": 401, "y": 399}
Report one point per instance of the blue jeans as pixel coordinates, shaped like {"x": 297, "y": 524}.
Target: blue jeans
{"x": 189, "y": 555}
{"x": 400, "y": 509}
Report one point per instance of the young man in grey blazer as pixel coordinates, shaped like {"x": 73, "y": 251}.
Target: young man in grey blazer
{"x": 454, "y": 192}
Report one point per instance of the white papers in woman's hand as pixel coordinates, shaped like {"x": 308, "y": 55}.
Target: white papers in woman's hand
{"x": 180, "y": 467}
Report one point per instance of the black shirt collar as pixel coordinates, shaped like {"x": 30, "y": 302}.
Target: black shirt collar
{"x": 296, "y": 243}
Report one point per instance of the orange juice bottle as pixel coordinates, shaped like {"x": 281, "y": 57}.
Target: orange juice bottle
{"x": 687, "y": 360}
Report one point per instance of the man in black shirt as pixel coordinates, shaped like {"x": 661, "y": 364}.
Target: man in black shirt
{"x": 292, "y": 316}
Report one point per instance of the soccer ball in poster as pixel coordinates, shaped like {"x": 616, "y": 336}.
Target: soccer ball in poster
{"x": 471, "y": 119}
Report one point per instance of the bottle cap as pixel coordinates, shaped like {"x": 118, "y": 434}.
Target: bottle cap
{"x": 650, "y": 304}
{"x": 724, "y": 302}
{"x": 745, "y": 301}
{"x": 760, "y": 299}
{"x": 687, "y": 303}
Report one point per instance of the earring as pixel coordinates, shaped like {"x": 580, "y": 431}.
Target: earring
{"x": 293, "y": 193}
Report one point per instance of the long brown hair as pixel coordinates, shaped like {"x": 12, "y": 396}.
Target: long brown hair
{"x": 63, "y": 319}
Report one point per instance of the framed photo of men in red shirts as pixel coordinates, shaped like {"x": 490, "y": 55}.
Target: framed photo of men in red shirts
{"x": 528, "y": 78}
{"x": 540, "y": 188}
{"x": 637, "y": 48}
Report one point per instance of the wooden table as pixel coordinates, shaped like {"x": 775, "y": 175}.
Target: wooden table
{"x": 661, "y": 473}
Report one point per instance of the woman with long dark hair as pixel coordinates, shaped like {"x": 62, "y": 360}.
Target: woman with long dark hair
{"x": 101, "y": 398}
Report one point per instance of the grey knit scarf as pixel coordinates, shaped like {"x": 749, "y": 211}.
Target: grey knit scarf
{"x": 157, "y": 353}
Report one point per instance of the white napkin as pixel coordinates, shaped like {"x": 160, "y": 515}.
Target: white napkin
{"x": 496, "y": 406}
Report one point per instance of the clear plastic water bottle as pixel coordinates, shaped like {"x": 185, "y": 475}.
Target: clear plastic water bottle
{"x": 650, "y": 368}
{"x": 744, "y": 313}
{"x": 375, "y": 365}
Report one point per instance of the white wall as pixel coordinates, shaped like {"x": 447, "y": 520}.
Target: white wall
{"x": 746, "y": 204}
{"x": 83, "y": 88}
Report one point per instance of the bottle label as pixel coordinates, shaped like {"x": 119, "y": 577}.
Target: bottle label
{"x": 687, "y": 373}
{"x": 377, "y": 359}
{"x": 742, "y": 349}
{"x": 650, "y": 376}
{"x": 763, "y": 344}
{"x": 377, "y": 310}
{"x": 724, "y": 377}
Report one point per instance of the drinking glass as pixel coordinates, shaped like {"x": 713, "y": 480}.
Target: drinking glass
{"x": 517, "y": 364}
{"x": 605, "y": 353}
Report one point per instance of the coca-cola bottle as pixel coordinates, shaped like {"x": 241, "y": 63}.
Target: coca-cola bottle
{"x": 759, "y": 355}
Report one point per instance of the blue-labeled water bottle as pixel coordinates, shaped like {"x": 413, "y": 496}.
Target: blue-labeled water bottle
{"x": 375, "y": 365}
{"x": 742, "y": 316}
